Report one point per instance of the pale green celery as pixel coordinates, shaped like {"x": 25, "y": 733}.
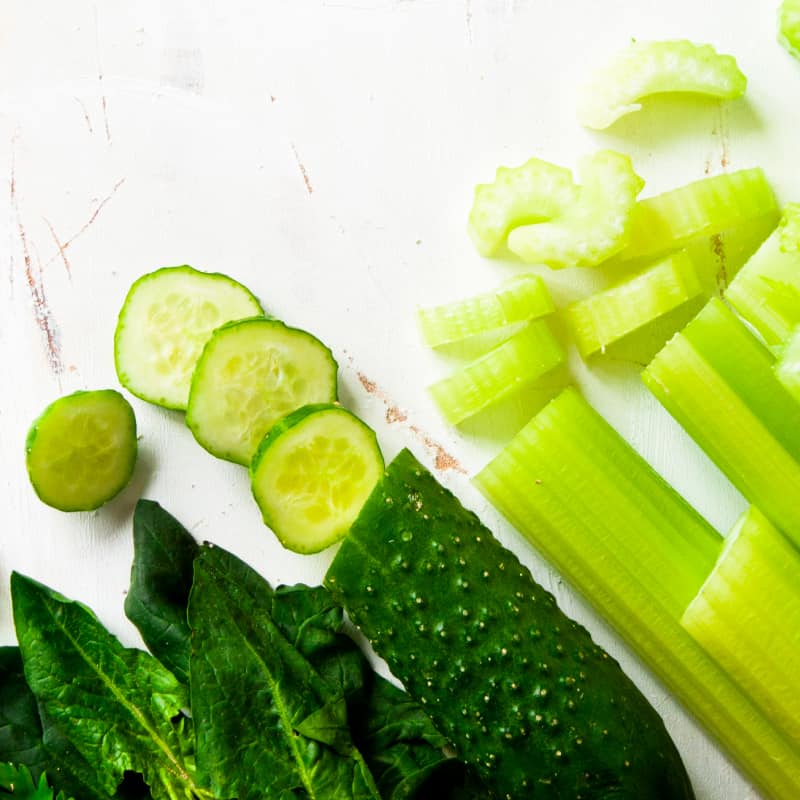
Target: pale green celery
{"x": 592, "y": 229}
{"x": 534, "y": 191}
{"x": 647, "y": 68}
{"x": 789, "y": 26}
{"x": 639, "y": 553}
{"x": 519, "y": 300}
{"x": 515, "y": 363}
{"x": 746, "y": 616}
{"x": 787, "y": 367}
{"x": 670, "y": 220}
{"x": 606, "y": 317}
{"x": 766, "y": 291}
{"x": 717, "y": 379}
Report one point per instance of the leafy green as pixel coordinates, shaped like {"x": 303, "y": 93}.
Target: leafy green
{"x": 17, "y": 781}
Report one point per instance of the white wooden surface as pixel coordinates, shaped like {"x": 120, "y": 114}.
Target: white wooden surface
{"x": 324, "y": 154}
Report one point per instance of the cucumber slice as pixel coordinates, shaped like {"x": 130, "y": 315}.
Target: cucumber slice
{"x": 789, "y": 26}
{"x": 82, "y": 450}
{"x": 312, "y": 473}
{"x": 251, "y": 373}
{"x": 165, "y": 320}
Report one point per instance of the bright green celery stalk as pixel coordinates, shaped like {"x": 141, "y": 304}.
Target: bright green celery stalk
{"x": 717, "y": 379}
{"x": 639, "y": 553}
{"x": 519, "y": 300}
{"x": 746, "y": 617}
{"x": 605, "y": 317}
{"x": 670, "y": 220}
{"x": 766, "y": 291}
{"x": 515, "y": 363}
{"x": 789, "y": 26}
{"x": 787, "y": 367}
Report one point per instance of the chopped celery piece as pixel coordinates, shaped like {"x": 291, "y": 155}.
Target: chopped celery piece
{"x": 788, "y": 366}
{"x": 519, "y": 300}
{"x": 766, "y": 291}
{"x": 605, "y": 317}
{"x": 789, "y": 26}
{"x": 534, "y": 191}
{"x": 639, "y": 553}
{"x": 648, "y": 68}
{"x": 747, "y": 618}
{"x": 717, "y": 379}
{"x": 515, "y": 363}
{"x": 595, "y": 227}
{"x": 711, "y": 205}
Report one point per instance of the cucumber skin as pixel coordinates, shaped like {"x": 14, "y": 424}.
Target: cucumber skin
{"x": 519, "y": 689}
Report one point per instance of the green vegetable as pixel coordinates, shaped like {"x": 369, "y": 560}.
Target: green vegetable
{"x": 789, "y": 26}
{"x": 787, "y": 368}
{"x": 718, "y": 381}
{"x": 251, "y": 373}
{"x": 747, "y": 617}
{"x": 81, "y": 451}
{"x": 611, "y": 525}
{"x": 606, "y": 317}
{"x": 17, "y": 782}
{"x": 166, "y": 319}
{"x": 519, "y": 300}
{"x": 513, "y": 364}
{"x": 520, "y": 690}
{"x": 647, "y": 68}
{"x": 594, "y": 227}
{"x": 312, "y": 473}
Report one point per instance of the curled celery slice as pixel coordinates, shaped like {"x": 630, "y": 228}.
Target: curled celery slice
{"x": 789, "y": 26}
{"x": 648, "y": 68}
{"x": 605, "y": 317}
{"x": 788, "y": 367}
{"x": 766, "y": 291}
{"x": 595, "y": 227}
{"x": 519, "y": 300}
{"x": 534, "y": 191}
{"x": 746, "y": 616}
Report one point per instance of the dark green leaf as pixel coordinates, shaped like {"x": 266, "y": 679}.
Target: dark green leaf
{"x": 20, "y": 729}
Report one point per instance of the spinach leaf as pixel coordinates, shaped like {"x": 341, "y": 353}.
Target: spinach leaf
{"x": 109, "y": 708}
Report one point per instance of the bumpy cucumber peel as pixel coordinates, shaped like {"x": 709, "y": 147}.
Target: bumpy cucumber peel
{"x": 789, "y": 26}
{"x": 648, "y": 68}
{"x": 520, "y": 690}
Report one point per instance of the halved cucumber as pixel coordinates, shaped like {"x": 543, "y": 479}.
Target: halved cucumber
{"x": 164, "y": 323}
{"x": 251, "y": 373}
{"x": 82, "y": 450}
{"x": 312, "y": 473}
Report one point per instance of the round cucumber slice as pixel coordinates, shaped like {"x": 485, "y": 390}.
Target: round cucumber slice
{"x": 312, "y": 474}
{"x": 251, "y": 373}
{"x": 164, "y": 323}
{"x": 82, "y": 450}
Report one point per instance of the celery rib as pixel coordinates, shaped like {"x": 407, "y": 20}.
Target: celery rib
{"x": 789, "y": 26}
{"x": 647, "y": 68}
{"x": 639, "y": 553}
{"x": 787, "y": 367}
{"x": 607, "y": 317}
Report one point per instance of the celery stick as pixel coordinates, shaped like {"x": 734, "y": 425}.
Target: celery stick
{"x": 522, "y": 299}
{"x": 608, "y": 316}
{"x": 789, "y": 26}
{"x": 637, "y": 551}
{"x": 513, "y": 364}
{"x": 534, "y": 191}
{"x": 648, "y": 68}
{"x": 787, "y": 367}
{"x": 595, "y": 227}
{"x": 766, "y": 291}
{"x": 670, "y": 220}
{"x": 718, "y": 381}
{"x": 746, "y": 616}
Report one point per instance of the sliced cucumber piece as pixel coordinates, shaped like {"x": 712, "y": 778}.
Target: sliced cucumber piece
{"x": 251, "y": 373}
{"x": 164, "y": 323}
{"x": 312, "y": 473}
{"x": 82, "y": 450}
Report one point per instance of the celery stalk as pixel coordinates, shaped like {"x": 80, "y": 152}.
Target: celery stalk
{"x": 522, "y": 299}
{"x": 605, "y": 317}
{"x": 717, "y": 380}
{"x": 787, "y": 367}
{"x": 639, "y": 553}
{"x": 766, "y": 291}
{"x": 789, "y": 26}
{"x": 670, "y": 220}
{"x": 746, "y": 616}
{"x": 515, "y": 363}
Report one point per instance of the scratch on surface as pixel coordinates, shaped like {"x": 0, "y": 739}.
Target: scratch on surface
{"x": 468, "y": 18}
{"x": 12, "y": 202}
{"x": 60, "y": 247}
{"x": 303, "y": 170}
{"x": 86, "y": 116}
{"x": 724, "y": 137}
{"x": 103, "y": 100}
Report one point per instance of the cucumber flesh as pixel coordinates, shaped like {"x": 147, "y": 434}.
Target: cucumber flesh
{"x": 82, "y": 450}
{"x": 312, "y": 474}
{"x": 251, "y": 373}
{"x": 164, "y": 323}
